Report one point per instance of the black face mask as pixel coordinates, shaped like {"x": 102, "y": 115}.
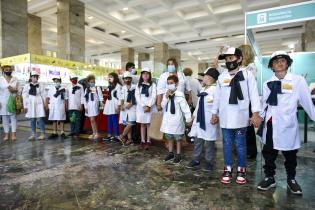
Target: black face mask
{"x": 8, "y": 73}
{"x": 232, "y": 65}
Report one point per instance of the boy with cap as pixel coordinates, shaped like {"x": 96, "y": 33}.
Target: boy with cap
{"x": 236, "y": 88}
{"x": 76, "y": 101}
{"x": 33, "y": 101}
{"x": 127, "y": 109}
{"x": 176, "y": 112}
{"x": 204, "y": 132}
{"x": 281, "y": 96}
{"x": 57, "y": 104}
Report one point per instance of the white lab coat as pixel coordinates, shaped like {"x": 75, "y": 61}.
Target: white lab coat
{"x": 212, "y": 131}
{"x": 142, "y": 100}
{"x": 111, "y": 106}
{"x": 92, "y": 107}
{"x": 252, "y": 68}
{"x": 284, "y": 119}
{"x": 5, "y": 93}
{"x": 175, "y": 123}
{"x": 57, "y": 108}
{"x": 77, "y": 99}
{"x": 34, "y": 104}
{"x": 127, "y": 114}
{"x": 183, "y": 84}
{"x": 233, "y": 116}
{"x": 195, "y": 89}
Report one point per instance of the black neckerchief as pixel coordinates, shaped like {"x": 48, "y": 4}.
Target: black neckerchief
{"x": 236, "y": 90}
{"x": 32, "y": 90}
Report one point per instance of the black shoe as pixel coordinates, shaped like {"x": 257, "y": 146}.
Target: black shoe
{"x": 53, "y": 136}
{"x": 107, "y": 139}
{"x": 71, "y": 134}
{"x": 208, "y": 167}
{"x": 252, "y": 157}
{"x": 169, "y": 157}
{"x": 267, "y": 183}
{"x": 63, "y": 135}
{"x": 294, "y": 187}
{"x": 193, "y": 164}
{"x": 177, "y": 159}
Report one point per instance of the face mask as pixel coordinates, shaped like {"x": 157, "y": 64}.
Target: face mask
{"x": 57, "y": 84}
{"x": 92, "y": 84}
{"x": 171, "y": 87}
{"x": 74, "y": 81}
{"x": 8, "y": 73}
{"x": 145, "y": 77}
{"x": 171, "y": 68}
{"x": 133, "y": 71}
{"x": 111, "y": 80}
{"x": 232, "y": 65}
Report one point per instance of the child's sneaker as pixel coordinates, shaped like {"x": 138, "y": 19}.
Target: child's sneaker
{"x": 169, "y": 157}
{"x": 193, "y": 164}
{"x": 294, "y": 187}
{"x": 32, "y": 137}
{"x": 63, "y": 135}
{"x": 41, "y": 137}
{"x": 241, "y": 175}
{"x": 177, "y": 159}
{"x": 208, "y": 167}
{"x": 227, "y": 175}
{"x": 267, "y": 183}
{"x": 53, "y": 136}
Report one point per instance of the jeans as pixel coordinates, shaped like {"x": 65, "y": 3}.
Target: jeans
{"x": 75, "y": 126}
{"x": 237, "y": 137}
{"x": 112, "y": 124}
{"x": 41, "y": 123}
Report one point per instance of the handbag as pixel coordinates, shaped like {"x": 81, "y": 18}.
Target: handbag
{"x": 18, "y": 104}
{"x": 155, "y": 126}
{"x": 11, "y": 104}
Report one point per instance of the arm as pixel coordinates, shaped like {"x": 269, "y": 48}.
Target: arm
{"x": 164, "y": 101}
{"x": 161, "y": 86}
{"x": 254, "y": 99}
{"x": 25, "y": 95}
{"x": 100, "y": 94}
{"x": 215, "y": 106}
{"x": 153, "y": 96}
{"x": 185, "y": 109}
{"x": 66, "y": 99}
{"x": 305, "y": 99}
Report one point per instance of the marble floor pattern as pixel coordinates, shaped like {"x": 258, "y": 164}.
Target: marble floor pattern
{"x": 82, "y": 174}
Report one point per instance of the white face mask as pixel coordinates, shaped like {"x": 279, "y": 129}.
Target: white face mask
{"x": 171, "y": 87}
{"x": 57, "y": 84}
{"x": 133, "y": 71}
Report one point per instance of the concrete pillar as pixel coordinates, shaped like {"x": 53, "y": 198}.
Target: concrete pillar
{"x": 13, "y": 27}
{"x": 202, "y": 67}
{"x": 143, "y": 57}
{"x": 127, "y": 55}
{"x": 71, "y": 30}
{"x": 175, "y": 53}
{"x": 160, "y": 57}
{"x": 34, "y": 34}
{"x": 308, "y": 38}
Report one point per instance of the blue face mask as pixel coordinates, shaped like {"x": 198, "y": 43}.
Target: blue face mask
{"x": 92, "y": 84}
{"x": 171, "y": 68}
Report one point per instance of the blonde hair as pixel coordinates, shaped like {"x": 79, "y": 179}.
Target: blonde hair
{"x": 248, "y": 54}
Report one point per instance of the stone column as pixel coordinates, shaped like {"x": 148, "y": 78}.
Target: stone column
{"x": 143, "y": 57}
{"x": 160, "y": 57}
{"x": 202, "y": 67}
{"x": 13, "y": 27}
{"x": 34, "y": 34}
{"x": 71, "y": 30}
{"x": 308, "y": 38}
{"x": 127, "y": 55}
{"x": 175, "y": 53}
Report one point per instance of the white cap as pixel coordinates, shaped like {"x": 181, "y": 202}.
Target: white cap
{"x": 231, "y": 51}
{"x": 34, "y": 73}
{"x": 146, "y": 69}
{"x": 127, "y": 74}
{"x": 280, "y": 54}
{"x": 56, "y": 77}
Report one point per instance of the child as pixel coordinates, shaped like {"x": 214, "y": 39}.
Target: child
{"x": 205, "y": 134}
{"x": 236, "y": 88}
{"x": 281, "y": 96}
{"x": 57, "y": 103}
{"x": 128, "y": 108}
{"x": 76, "y": 100}
{"x": 33, "y": 101}
{"x": 111, "y": 108}
{"x": 146, "y": 99}
{"x": 93, "y": 97}
{"x": 175, "y": 109}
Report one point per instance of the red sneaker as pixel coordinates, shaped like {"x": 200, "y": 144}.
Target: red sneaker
{"x": 241, "y": 175}
{"x": 227, "y": 175}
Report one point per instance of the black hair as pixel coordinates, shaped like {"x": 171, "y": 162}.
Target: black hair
{"x": 141, "y": 79}
{"x": 130, "y": 65}
{"x": 173, "y": 77}
{"x": 116, "y": 78}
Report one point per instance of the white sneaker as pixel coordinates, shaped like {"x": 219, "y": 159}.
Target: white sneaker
{"x": 32, "y": 137}
{"x": 42, "y": 137}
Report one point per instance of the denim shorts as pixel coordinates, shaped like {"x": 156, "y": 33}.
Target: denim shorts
{"x": 172, "y": 137}
{"x": 129, "y": 122}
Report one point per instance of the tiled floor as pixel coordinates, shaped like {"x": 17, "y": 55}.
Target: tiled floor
{"x": 81, "y": 174}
